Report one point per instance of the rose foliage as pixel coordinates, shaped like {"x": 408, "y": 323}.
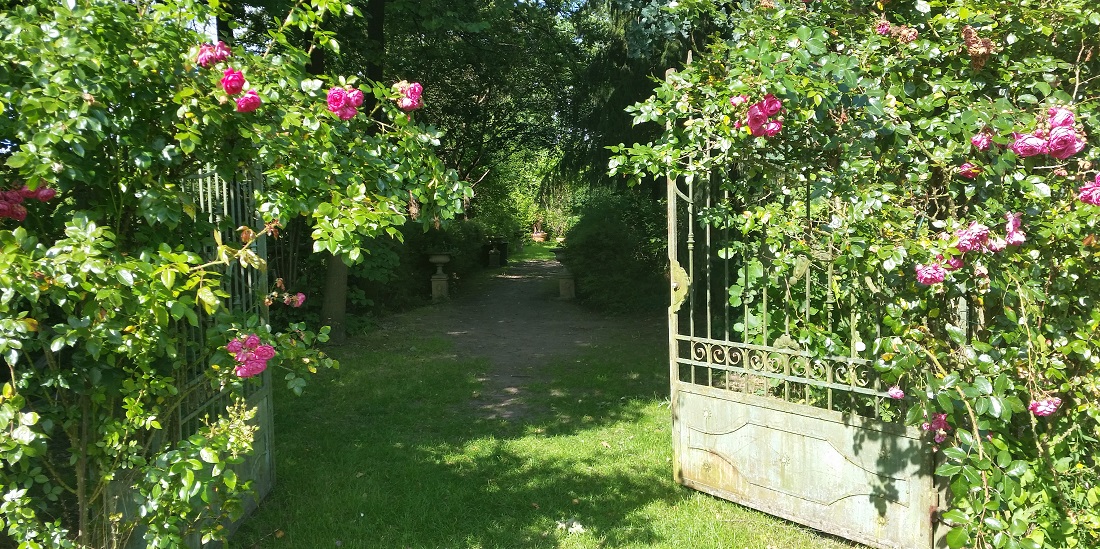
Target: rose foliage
{"x": 939, "y": 157}
{"x": 111, "y": 290}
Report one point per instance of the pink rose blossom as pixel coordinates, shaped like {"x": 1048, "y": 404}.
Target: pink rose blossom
{"x": 410, "y": 95}
{"x": 895, "y": 393}
{"x": 1045, "y": 407}
{"x": 970, "y": 171}
{"x": 251, "y": 342}
{"x": 233, "y": 81}
{"x": 930, "y": 274}
{"x": 953, "y": 264}
{"x": 44, "y": 194}
{"x": 249, "y": 102}
{"x": 18, "y": 212}
{"x": 221, "y": 51}
{"x": 347, "y": 112}
{"x": 1090, "y": 192}
{"x": 264, "y": 352}
{"x": 996, "y": 244}
{"x": 300, "y": 299}
{"x": 1013, "y": 221}
{"x": 1064, "y": 142}
{"x": 1027, "y": 145}
{"x": 337, "y": 99}
{"x": 1060, "y": 117}
{"x": 939, "y": 425}
{"x": 250, "y": 368}
{"x": 772, "y": 105}
{"x": 972, "y": 238}
{"x": 773, "y": 127}
{"x": 882, "y": 28}
{"x": 234, "y": 346}
{"x": 1015, "y": 238}
{"x": 739, "y": 100}
{"x": 981, "y": 141}
{"x": 355, "y": 97}
{"x": 205, "y": 57}
{"x": 757, "y": 117}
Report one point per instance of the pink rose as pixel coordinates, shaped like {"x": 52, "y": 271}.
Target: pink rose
{"x": 337, "y": 99}
{"x": 347, "y": 112}
{"x": 970, "y": 171}
{"x": 249, "y": 102}
{"x": 953, "y": 263}
{"x": 1028, "y": 145}
{"x": 1045, "y": 407}
{"x": 5, "y": 208}
{"x": 44, "y": 194}
{"x": 18, "y": 212}
{"x": 1015, "y": 238}
{"x": 1090, "y": 192}
{"x": 221, "y": 51}
{"x": 895, "y": 393}
{"x": 234, "y": 346}
{"x": 355, "y": 97}
{"x": 1013, "y": 222}
{"x": 739, "y": 100}
{"x": 981, "y": 141}
{"x": 300, "y": 299}
{"x": 757, "y": 117}
{"x": 773, "y": 127}
{"x": 882, "y": 28}
{"x": 1064, "y": 142}
{"x": 972, "y": 238}
{"x": 251, "y": 342}
{"x": 251, "y": 368}
{"x": 410, "y": 95}
{"x": 996, "y": 244}
{"x": 772, "y": 105}
{"x": 233, "y": 81}
{"x": 1060, "y": 117}
{"x": 930, "y": 274}
{"x": 205, "y": 57}
{"x": 264, "y": 352}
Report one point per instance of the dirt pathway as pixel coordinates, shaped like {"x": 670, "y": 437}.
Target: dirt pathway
{"x": 516, "y": 321}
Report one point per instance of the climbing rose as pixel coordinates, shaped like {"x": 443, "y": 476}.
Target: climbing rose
{"x": 970, "y": 171}
{"x": 337, "y": 98}
{"x": 1044, "y": 407}
{"x": 997, "y": 244}
{"x": 410, "y": 95}
{"x": 44, "y": 194}
{"x": 907, "y": 34}
{"x": 1015, "y": 238}
{"x": 895, "y": 393}
{"x": 264, "y": 352}
{"x": 252, "y": 342}
{"x": 981, "y": 141}
{"x": 299, "y": 299}
{"x": 1012, "y": 222}
{"x": 248, "y": 102}
{"x": 972, "y": 238}
{"x": 930, "y": 274}
{"x": 233, "y": 81}
{"x": 211, "y": 53}
{"x": 1090, "y": 192}
{"x": 883, "y": 27}
{"x": 250, "y": 368}
{"x": 757, "y": 117}
{"x": 355, "y": 97}
{"x": 1060, "y": 117}
{"x": 953, "y": 264}
{"x": 773, "y": 127}
{"x": 1028, "y": 145}
{"x": 739, "y": 100}
{"x": 939, "y": 425}
{"x": 347, "y": 112}
{"x": 1064, "y": 142}
{"x": 771, "y": 104}
{"x": 234, "y": 346}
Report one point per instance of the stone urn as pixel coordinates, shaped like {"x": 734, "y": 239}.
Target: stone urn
{"x": 439, "y": 279}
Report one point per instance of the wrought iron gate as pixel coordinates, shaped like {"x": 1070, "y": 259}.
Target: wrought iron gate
{"x": 761, "y": 422}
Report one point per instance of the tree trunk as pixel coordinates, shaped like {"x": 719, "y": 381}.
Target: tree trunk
{"x": 334, "y": 308}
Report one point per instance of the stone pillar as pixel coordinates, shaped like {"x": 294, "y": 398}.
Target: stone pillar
{"x": 440, "y": 286}
{"x": 567, "y": 287}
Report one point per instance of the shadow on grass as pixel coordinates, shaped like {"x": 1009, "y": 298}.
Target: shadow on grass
{"x": 386, "y": 453}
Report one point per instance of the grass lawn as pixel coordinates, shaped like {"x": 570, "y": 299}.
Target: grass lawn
{"x": 389, "y": 452}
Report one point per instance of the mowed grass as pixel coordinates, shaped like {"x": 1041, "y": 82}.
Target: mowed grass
{"x": 389, "y": 452}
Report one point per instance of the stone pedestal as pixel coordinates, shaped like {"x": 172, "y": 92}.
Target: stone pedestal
{"x": 440, "y": 286}
{"x": 494, "y": 258}
{"x": 567, "y": 287}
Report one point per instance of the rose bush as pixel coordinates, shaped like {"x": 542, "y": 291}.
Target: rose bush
{"x": 111, "y": 292}
{"x": 909, "y": 130}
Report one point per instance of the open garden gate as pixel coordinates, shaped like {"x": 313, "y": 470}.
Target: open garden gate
{"x": 757, "y": 420}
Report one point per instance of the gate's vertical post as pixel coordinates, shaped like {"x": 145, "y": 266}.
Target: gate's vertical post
{"x": 673, "y": 325}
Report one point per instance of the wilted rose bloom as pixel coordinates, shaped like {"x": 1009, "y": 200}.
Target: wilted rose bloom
{"x": 996, "y": 244}
{"x": 1045, "y": 407}
{"x": 930, "y": 274}
{"x": 337, "y": 98}
{"x": 355, "y": 97}
{"x": 233, "y": 81}
{"x": 1090, "y": 192}
{"x": 18, "y": 212}
{"x": 895, "y": 393}
{"x": 981, "y": 141}
{"x": 939, "y": 425}
{"x": 249, "y": 102}
{"x": 972, "y": 238}
{"x": 773, "y": 127}
{"x": 205, "y": 57}
{"x": 1064, "y": 142}
{"x": 757, "y": 117}
{"x": 221, "y": 51}
{"x": 907, "y": 35}
{"x": 980, "y": 271}
{"x": 1028, "y": 145}
{"x": 970, "y": 171}
{"x": 1015, "y": 238}
{"x": 772, "y": 105}
{"x": 1060, "y": 117}
{"x": 883, "y": 27}
{"x": 739, "y": 100}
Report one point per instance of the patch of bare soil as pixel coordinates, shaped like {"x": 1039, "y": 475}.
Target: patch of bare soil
{"x": 516, "y": 321}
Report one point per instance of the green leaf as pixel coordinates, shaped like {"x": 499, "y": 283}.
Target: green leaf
{"x": 957, "y": 537}
{"x": 208, "y": 455}
{"x": 208, "y": 299}
{"x": 1016, "y": 468}
{"x": 957, "y": 334}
